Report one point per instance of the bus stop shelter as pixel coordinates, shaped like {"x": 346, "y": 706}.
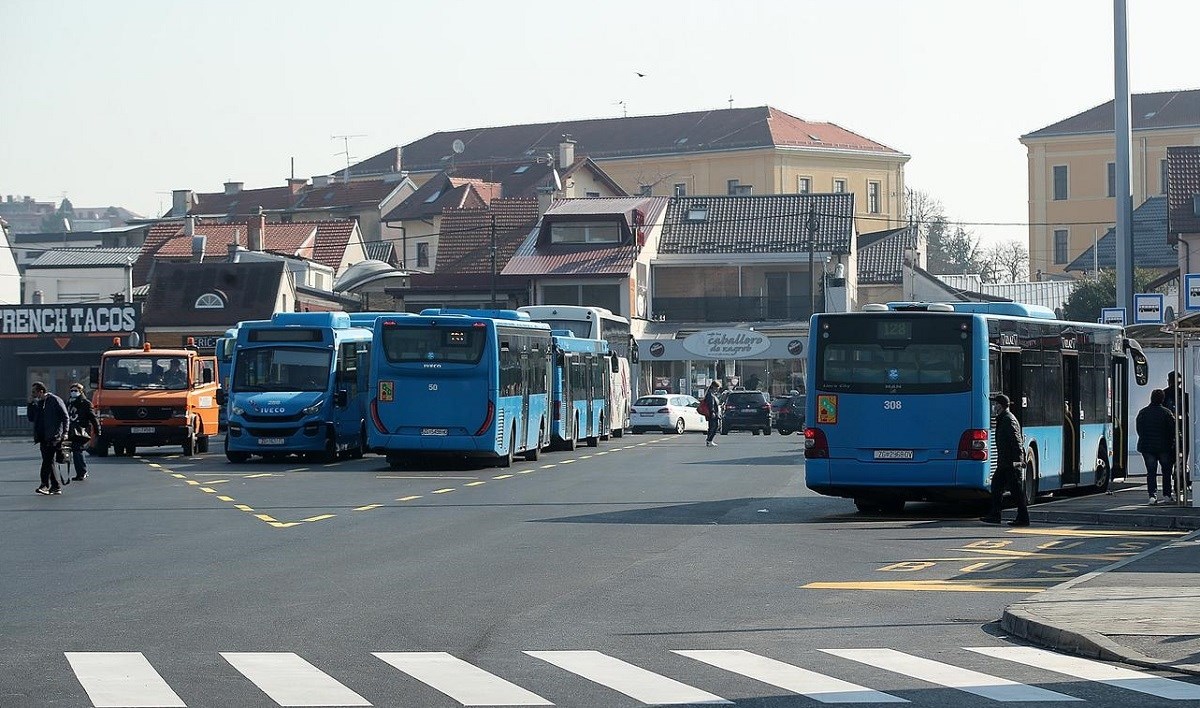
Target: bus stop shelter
{"x": 1184, "y": 334}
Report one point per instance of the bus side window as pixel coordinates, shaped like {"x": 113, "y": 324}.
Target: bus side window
{"x": 348, "y": 368}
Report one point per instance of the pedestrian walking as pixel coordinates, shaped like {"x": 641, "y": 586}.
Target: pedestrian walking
{"x": 81, "y": 428}
{"x": 1156, "y": 441}
{"x": 1010, "y": 465}
{"x": 713, "y": 412}
{"x": 48, "y": 414}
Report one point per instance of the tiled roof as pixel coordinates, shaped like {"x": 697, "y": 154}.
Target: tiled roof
{"x": 386, "y": 162}
{"x": 1183, "y": 184}
{"x": 380, "y": 251}
{"x": 768, "y": 223}
{"x": 444, "y": 192}
{"x": 250, "y": 291}
{"x": 1168, "y": 109}
{"x": 1150, "y": 246}
{"x": 338, "y": 195}
{"x": 600, "y": 138}
{"x": 522, "y": 178}
{"x": 464, "y": 253}
{"x": 284, "y": 239}
{"x": 244, "y": 202}
{"x": 86, "y": 257}
{"x": 536, "y": 257}
{"x": 880, "y": 256}
{"x": 333, "y": 236}
{"x": 344, "y": 195}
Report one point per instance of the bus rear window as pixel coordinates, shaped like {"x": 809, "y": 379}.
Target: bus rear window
{"x": 923, "y": 355}
{"x": 458, "y": 345}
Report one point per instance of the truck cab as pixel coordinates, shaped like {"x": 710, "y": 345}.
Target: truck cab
{"x": 150, "y": 397}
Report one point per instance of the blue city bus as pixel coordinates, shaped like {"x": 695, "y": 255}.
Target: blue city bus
{"x": 899, "y": 401}
{"x": 460, "y": 382}
{"x": 298, "y": 386}
{"x": 580, "y": 391}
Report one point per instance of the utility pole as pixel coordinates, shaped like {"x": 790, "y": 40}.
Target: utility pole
{"x": 1124, "y": 139}
{"x": 812, "y": 275}
{"x": 493, "y": 260}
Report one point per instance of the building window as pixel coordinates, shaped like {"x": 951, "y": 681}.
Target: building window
{"x": 585, "y": 232}
{"x": 1060, "y": 182}
{"x": 608, "y": 296}
{"x": 422, "y": 255}
{"x": 680, "y": 189}
{"x": 803, "y": 185}
{"x": 1061, "y": 245}
{"x": 1162, "y": 176}
{"x": 210, "y": 301}
{"x": 1112, "y": 179}
{"x": 873, "y": 197}
{"x": 839, "y": 185}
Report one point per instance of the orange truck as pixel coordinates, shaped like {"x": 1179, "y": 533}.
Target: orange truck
{"x": 149, "y": 397}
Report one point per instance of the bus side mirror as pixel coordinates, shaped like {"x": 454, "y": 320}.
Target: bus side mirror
{"x": 94, "y": 377}
{"x": 1141, "y": 372}
{"x": 222, "y": 397}
{"x": 341, "y": 398}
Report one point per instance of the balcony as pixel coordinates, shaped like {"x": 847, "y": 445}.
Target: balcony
{"x": 734, "y": 309}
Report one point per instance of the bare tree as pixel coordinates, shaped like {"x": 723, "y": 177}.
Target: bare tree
{"x": 1007, "y": 261}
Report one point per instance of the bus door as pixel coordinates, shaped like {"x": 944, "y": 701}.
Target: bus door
{"x": 567, "y": 405}
{"x": 523, "y": 424}
{"x": 1070, "y": 420}
{"x": 1011, "y": 384}
{"x": 590, "y": 392}
{"x": 1118, "y": 394}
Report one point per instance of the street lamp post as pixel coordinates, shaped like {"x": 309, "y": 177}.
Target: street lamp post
{"x": 493, "y": 261}
{"x": 812, "y": 276}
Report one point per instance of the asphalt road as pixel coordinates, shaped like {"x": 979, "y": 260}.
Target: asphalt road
{"x": 649, "y": 571}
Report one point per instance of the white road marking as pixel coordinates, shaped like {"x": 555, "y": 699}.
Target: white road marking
{"x": 1089, "y": 670}
{"x": 820, "y": 687}
{"x": 635, "y": 682}
{"x": 464, "y": 682}
{"x": 121, "y": 679}
{"x": 291, "y": 681}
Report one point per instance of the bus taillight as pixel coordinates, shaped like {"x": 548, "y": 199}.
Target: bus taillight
{"x": 487, "y": 422}
{"x": 815, "y": 444}
{"x": 973, "y": 445}
{"x": 375, "y": 416}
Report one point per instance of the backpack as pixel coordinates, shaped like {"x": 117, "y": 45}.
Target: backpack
{"x": 702, "y": 409}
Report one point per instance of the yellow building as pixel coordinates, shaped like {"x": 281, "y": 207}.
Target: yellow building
{"x": 732, "y": 151}
{"x": 1072, "y": 171}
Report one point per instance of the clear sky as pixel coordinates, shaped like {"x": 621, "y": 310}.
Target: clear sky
{"x": 121, "y": 101}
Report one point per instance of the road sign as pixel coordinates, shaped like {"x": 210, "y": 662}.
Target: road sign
{"x": 1113, "y": 316}
{"x": 1191, "y": 291}
{"x": 1148, "y": 308}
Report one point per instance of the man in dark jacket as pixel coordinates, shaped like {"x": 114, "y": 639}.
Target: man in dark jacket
{"x": 1156, "y": 442}
{"x": 48, "y": 414}
{"x": 82, "y": 428}
{"x": 1010, "y": 464}
{"x": 713, "y": 402}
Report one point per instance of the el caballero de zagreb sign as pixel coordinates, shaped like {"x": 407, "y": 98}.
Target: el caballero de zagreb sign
{"x": 65, "y": 322}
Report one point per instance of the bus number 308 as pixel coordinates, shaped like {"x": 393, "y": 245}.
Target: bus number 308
{"x": 891, "y": 405}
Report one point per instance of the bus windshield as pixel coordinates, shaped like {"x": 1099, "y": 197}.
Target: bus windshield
{"x": 578, "y": 328}
{"x": 891, "y": 354}
{"x": 458, "y": 345}
{"x": 281, "y": 369}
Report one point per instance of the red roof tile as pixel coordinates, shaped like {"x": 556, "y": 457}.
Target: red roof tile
{"x": 332, "y": 238}
{"x": 1183, "y": 184}
{"x": 284, "y": 239}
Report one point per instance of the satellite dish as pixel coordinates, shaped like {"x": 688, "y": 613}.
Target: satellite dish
{"x": 557, "y": 180}
{"x": 457, "y": 146}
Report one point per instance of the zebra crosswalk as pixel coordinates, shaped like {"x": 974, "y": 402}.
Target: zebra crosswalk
{"x": 129, "y": 680}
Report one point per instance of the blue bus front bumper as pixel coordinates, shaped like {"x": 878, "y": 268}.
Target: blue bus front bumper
{"x": 265, "y": 438}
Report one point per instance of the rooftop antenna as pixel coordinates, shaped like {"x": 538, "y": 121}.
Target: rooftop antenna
{"x": 731, "y": 100}
{"x": 624, "y": 109}
{"x": 345, "y": 149}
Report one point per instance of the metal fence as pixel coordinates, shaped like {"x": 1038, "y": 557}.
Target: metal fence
{"x": 13, "y": 422}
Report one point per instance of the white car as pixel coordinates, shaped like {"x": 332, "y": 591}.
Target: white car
{"x": 667, "y": 412}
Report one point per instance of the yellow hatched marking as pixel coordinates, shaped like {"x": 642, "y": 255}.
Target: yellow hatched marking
{"x": 225, "y": 498}
{"x": 475, "y": 484}
{"x": 192, "y": 482}
{"x": 1093, "y": 534}
{"x": 502, "y": 476}
{"x": 409, "y": 497}
{"x": 243, "y": 507}
{"x": 208, "y": 489}
{"x": 285, "y": 524}
{"x": 1006, "y": 553}
{"x": 154, "y": 464}
{"x": 217, "y": 481}
{"x": 322, "y": 517}
{"x": 918, "y": 585}
{"x": 442, "y": 491}
{"x": 260, "y": 474}
{"x": 176, "y": 475}
{"x": 368, "y": 507}
{"x": 265, "y": 517}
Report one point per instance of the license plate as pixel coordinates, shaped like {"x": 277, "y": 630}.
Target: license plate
{"x": 434, "y": 431}
{"x": 648, "y": 415}
{"x": 137, "y": 431}
{"x": 271, "y": 441}
{"x": 893, "y": 454}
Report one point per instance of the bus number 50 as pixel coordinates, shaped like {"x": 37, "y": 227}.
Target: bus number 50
{"x": 891, "y": 405}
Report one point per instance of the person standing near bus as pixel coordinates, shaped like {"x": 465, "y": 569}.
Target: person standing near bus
{"x": 1010, "y": 464}
{"x": 48, "y": 414}
{"x": 1156, "y": 442}
{"x": 713, "y": 403}
{"x": 82, "y": 428}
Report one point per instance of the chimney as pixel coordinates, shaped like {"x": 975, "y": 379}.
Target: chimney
{"x": 235, "y": 247}
{"x": 254, "y": 230}
{"x": 233, "y": 187}
{"x": 322, "y": 180}
{"x": 198, "y": 244}
{"x": 295, "y": 184}
{"x": 566, "y": 152}
{"x": 38, "y": 297}
{"x": 181, "y": 202}
{"x": 189, "y": 226}
{"x": 545, "y": 195}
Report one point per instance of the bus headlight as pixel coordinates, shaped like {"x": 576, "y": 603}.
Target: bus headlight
{"x": 313, "y": 409}
{"x": 237, "y": 410}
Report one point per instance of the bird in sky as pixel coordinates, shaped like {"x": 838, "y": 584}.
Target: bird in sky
{"x": 640, "y": 74}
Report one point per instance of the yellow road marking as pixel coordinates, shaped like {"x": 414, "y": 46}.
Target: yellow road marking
{"x": 914, "y": 585}
{"x": 322, "y": 517}
{"x": 208, "y": 489}
{"x": 217, "y": 481}
{"x": 260, "y": 474}
{"x": 409, "y": 497}
{"x": 285, "y": 524}
{"x": 368, "y": 507}
{"x": 225, "y": 498}
{"x": 475, "y": 484}
{"x": 1038, "y": 554}
{"x": 502, "y": 476}
{"x": 192, "y": 482}
{"x": 154, "y": 464}
{"x": 243, "y": 507}
{"x": 297, "y": 469}
{"x": 265, "y": 517}
{"x": 442, "y": 491}
{"x": 422, "y": 476}
{"x": 176, "y": 475}
{"x": 1093, "y": 534}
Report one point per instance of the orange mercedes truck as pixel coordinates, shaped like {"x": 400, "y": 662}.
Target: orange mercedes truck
{"x": 149, "y": 397}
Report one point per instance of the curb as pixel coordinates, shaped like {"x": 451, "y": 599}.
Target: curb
{"x": 1028, "y": 625}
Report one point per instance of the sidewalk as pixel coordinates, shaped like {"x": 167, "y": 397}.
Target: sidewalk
{"x": 1144, "y": 610}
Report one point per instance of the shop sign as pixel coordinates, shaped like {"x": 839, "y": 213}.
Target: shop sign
{"x": 727, "y": 343}
{"x": 202, "y": 341}
{"x": 67, "y": 320}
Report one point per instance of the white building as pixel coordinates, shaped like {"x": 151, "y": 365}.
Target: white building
{"x": 10, "y": 278}
{"x": 81, "y": 275}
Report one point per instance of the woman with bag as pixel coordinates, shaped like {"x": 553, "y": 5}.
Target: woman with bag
{"x": 82, "y": 424}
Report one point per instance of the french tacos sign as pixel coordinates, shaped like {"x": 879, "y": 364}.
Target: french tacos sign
{"x": 66, "y": 323}
{"x": 727, "y": 343}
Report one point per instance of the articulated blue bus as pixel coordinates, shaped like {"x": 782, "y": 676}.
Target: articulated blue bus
{"x": 580, "y": 391}
{"x": 298, "y": 385}
{"x": 899, "y": 401}
{"x": 460, "y": 382}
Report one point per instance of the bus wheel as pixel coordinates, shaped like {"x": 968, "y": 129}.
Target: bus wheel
{"x": 1029, "y": 481}
{"x": 1103, "y": 474}
{"x": 593, "y": 441}
{"x": 330, "y": 453}
{"x": 361, "y": 448}
{"x": 395, "y": 461}
{"x": 866, "y": 505}
{"x": 533, "y": 453}
{"x": 235, "y": 457}
{"x": 618, "y": 432}
{"x": 506, "y": 459}
{"x": 892, "y": 506}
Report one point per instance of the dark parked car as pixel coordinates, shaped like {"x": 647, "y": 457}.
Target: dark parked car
{"x": 748, "y": 410}
{"x": 789, "y": 416}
